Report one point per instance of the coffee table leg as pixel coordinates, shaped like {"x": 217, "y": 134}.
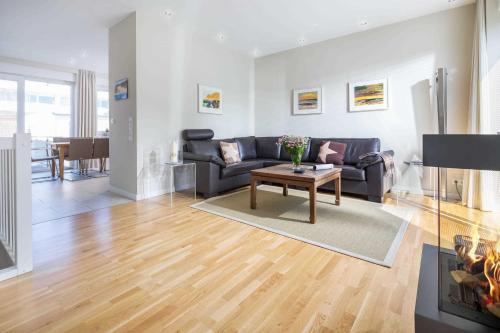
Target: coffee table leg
{"x": 312, "y": 204}
{"x": 337, "y": 191}
{"x": 253, "y": 194}
{"x": 285, "y": 190}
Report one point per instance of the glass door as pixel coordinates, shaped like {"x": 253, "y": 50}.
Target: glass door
{"x": 11, "y": 105}
{"x": 48, "y": 114}
{"x": 48, "y": 109}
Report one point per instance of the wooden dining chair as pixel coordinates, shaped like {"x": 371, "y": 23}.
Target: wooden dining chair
{"x": 101, "y": 152}
{"x": 80, "y": 149}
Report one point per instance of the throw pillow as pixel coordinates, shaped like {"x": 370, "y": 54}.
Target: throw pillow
{"x": 331, "y": 152}
{"x": 230, "y": 152}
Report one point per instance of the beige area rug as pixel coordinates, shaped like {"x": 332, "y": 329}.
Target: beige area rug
{"x": 358, "y": 228}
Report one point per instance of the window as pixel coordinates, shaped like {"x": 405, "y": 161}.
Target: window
{"x": 8, "y": 107}
{"x": 48, "y": 109}
{"x": 102, "y": 113}
{"x": 46, "y": 99}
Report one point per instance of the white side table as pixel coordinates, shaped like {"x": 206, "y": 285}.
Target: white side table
{"x": 181, "y": 177}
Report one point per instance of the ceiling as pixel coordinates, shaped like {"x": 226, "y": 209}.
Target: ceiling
{"x": 74, "y": 33}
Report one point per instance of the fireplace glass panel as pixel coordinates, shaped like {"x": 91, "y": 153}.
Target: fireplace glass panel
{"x": 469, "y": 257}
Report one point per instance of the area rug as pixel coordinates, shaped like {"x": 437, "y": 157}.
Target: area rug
{"x": 358, "y": 228}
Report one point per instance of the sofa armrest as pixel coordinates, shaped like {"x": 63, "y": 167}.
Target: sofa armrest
{"x": 379, "y": 182}
{"x": 372, "y": 159}
{"x": 207, "y": 176}
{"x": 204, "y": 158}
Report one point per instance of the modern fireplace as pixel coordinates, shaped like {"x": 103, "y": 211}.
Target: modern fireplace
{"x": 461, "y": 274}
{"x": 469, "y": 269}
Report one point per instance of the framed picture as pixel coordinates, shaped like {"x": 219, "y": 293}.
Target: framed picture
{"x": 209, "y": 100}
{"x": 121, "y": 89}
{"x": 368, "y": 95}
{"x": 307, "y": 101}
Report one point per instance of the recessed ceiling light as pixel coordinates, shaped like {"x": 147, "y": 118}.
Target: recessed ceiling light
{"x": 72, "y": 61}
{"x": 301, "y": 41}
{"x": 85, "y": 54}
{"x": 363, "y": 23}
{"x": 256, "y": 52}
{"x": 221, "y": 37}
{"x": 167, "y": 13}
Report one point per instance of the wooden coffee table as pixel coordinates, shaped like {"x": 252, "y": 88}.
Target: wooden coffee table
{"x": 283, "y": 174}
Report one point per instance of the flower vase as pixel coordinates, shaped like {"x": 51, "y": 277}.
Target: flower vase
{"x": 296, "y": 159}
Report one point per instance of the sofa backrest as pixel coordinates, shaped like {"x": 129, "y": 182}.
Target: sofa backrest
{"x": 267, "y": 147}
{"x": 200, "y": 142}
{"x": 355, "y": 148}
{"x": 204, "y": 147}
{"x": 247, "y": 147}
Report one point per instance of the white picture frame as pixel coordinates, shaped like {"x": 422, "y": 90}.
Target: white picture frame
{"x": 209, "y": 100}
{"x": 308, "y": 101}
{"x": 376, "y": 95}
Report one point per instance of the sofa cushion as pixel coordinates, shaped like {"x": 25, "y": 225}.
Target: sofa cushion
{"x": 352, "y": 173}
{"x": 285, "y": 156}
{"x": 207, "y": 147}
{"x": 240, "y": 168}
{"x": 230, "y": 152}
{"x": 355, "y": 148}
{"x": 267, "y": 147}
{"x": 247, "y": 147}
{"x": 331, "y": 152}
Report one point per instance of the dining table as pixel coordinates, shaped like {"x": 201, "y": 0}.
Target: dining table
{"x": 61, "y": 148}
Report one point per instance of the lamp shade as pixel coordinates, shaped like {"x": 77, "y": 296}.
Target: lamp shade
{"x": 462, "y": 151}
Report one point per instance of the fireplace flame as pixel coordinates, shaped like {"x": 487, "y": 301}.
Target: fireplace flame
{"x": 475, "y": 242}
{"x": 492, "y": 272}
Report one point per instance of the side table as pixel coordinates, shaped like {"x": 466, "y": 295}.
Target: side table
{"x": 180, "y": 176}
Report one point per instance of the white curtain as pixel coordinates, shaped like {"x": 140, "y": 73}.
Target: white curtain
{"x": 479, "y": 186}
{"x": 86, "y": 104}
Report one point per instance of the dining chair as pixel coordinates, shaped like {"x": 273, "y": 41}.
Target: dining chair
{"x": 41, "y": 152}
{"x": 60, "y": 139}
{"x": 101, "y": 152}
{"x": 80, "y": 149}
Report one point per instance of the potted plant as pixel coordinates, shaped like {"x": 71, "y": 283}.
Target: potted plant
{"x": 295, "y": 146}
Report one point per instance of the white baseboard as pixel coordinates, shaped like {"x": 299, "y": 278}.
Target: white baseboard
{"x": 153, "y": 194}
{"x": 138, "y": 197}
{"x": 8, "y": 273}
{"x": 124, "y": 193}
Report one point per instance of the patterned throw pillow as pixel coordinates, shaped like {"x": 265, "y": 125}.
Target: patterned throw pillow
{"x": 230, "y": 152}
{"x": 331, "y": 152}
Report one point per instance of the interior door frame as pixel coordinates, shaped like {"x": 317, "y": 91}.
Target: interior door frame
{"x": 20, "y": 98}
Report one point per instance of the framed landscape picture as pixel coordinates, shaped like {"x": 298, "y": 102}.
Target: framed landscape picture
{"x": 121, "y": 89}
{"x": 209, "y": 100}
{"x": 307, "y": 101}
{"x": 368, "y": 95}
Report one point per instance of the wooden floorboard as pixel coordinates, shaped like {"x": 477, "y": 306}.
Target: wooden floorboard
{"x": 144, "y": 266}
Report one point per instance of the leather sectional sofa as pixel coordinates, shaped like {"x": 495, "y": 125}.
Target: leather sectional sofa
{"x": 214, "y": 176}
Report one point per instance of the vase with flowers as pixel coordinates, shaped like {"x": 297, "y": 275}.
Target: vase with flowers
{"x": 295, "y": 146}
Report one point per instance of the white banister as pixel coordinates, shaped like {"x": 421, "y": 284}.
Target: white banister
{"x": 15, "y": 203}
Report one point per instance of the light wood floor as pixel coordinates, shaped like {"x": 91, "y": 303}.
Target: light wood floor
{"x": 146, "y": 267}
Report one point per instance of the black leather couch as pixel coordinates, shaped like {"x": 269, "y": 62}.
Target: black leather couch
{"x": 214, "y": 176}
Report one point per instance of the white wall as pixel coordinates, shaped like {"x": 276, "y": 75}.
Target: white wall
{"x": 171, "y": 62}
{"x": 406, "y": 53}
{"x": 122, "y": 64}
